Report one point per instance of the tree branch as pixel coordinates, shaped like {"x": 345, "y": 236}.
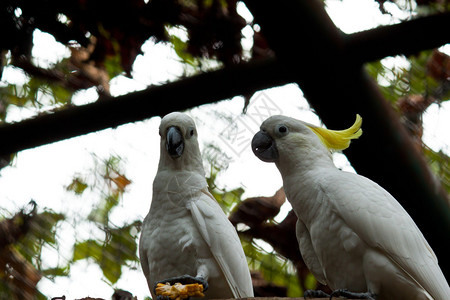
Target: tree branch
{"x": 409, "y": 37}
{"x": 216, "y": 85}
{"x": 154, "y": 101}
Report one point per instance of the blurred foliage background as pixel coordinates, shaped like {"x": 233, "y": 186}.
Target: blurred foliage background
{"x": 412, "y": 86}
{"x": 205, "y": 35}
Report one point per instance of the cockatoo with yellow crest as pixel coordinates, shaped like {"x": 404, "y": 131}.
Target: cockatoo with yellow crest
{"x": 186, "y": 240}
{"x": 353, "y": 235}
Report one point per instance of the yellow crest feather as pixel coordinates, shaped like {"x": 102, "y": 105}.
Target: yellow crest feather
{"x": 339, "y": 139}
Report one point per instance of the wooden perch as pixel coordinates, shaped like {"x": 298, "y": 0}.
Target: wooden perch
{"x": 250, "y": 298}
{"x": 282, "y": 298}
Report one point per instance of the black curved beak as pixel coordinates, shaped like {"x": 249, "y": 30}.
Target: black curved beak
{"x": 264, "y": 147}
{"x": 174, "y": 142}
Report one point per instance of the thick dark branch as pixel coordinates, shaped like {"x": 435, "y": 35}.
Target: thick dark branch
{"x": 209, "y": 87}
{"x": 406, "y": 38}
{"x": 155, "y": 101}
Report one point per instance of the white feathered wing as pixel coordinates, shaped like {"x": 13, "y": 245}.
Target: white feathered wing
{"x": 381, "y": 222}
{"x": 222, "y": 239}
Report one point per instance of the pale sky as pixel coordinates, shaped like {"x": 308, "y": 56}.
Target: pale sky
{"x": 43, "y": 172}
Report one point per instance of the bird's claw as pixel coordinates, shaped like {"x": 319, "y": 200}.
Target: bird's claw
{"x": 315, "y": 294}
{"x": 352, "y": 295}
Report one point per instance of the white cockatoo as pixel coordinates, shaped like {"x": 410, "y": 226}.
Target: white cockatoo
{"x": 186, "y": 237}
{"x": 353, "y": 235}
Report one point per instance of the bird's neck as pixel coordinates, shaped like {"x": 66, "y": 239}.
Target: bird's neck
{"x": 303, "y": 163}
{"x": 181, "y": 164}
{"x": 301, "y": 176}
{"x": 174, "y": 190}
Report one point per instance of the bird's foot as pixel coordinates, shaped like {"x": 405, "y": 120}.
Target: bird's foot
{"x": 180, "y": 287}
{"x": 315, "y": 294}
{"x": 352, "y": 295}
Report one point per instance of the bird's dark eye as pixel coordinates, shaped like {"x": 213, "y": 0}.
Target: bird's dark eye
{"x": 281, "y": 130}
{"x": 190, "y": 132}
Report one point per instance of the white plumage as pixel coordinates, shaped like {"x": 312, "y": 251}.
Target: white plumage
{"x": 352, "y": 233}
{"x": 186, "y": 231}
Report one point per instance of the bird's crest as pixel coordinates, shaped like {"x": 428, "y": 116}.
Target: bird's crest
{"x": 338, "y": 139}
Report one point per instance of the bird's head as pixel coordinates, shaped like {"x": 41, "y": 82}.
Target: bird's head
{"x": 179, "y": 144}
{"x": 285, "y": 137}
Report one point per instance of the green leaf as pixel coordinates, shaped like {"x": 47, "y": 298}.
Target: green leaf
{"x": 124, "y": 243}
{"x": 111, "y": 265}
{"x": 53, "y": 272}
{"x": 112, "y": 271}
{"x": 77, "y": 186}
{"x": 101, "y": 213}
{"x": 87, "y": 249}
{"x": 60, "y": 94}
{"x": 310, "y": 282}
{"x": 42, "y": 230}
{"x": 119, "y": 248}
{"x": 227, "y": 199}
{"x": 44, "y": 226}
{"x": 113, "y": 65}
{"x": 180, "y": 48}
{"x": 440, "y": 165}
